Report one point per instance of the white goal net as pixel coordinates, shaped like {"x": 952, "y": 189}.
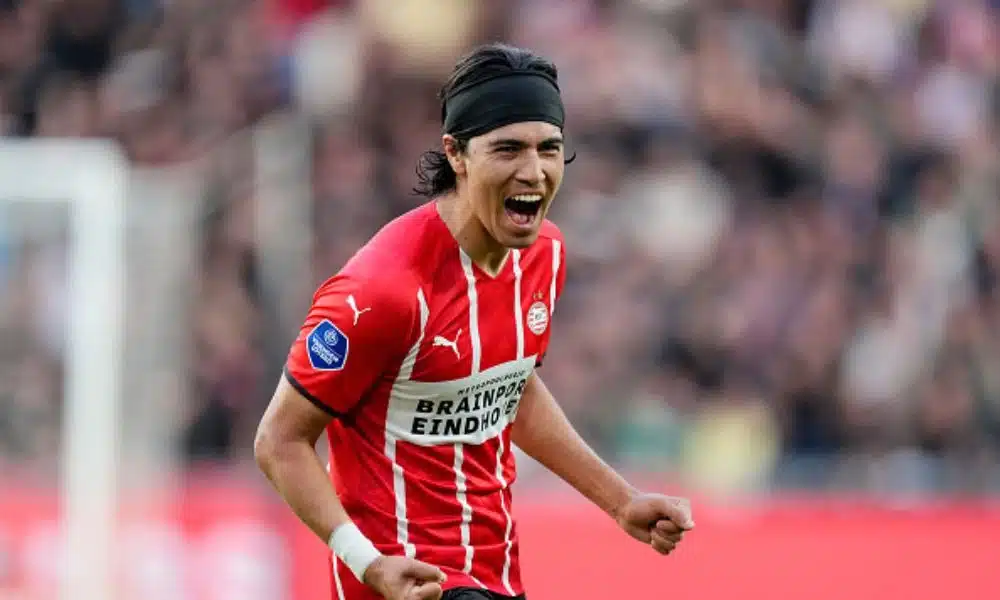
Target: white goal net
{"x": 100, "y": 275}
{"x": 86, "y": 182}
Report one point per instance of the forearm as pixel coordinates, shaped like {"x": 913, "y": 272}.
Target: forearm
{"x": 296, "y": 472}
{"x": 543, "y": 432}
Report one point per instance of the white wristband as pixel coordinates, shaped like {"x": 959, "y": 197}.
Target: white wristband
{"x": 353, "y": 549}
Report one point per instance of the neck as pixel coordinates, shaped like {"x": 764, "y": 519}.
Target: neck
{"x": 471, "y": 235}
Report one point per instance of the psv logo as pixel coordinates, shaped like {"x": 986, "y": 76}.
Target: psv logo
{"x": 538, "y": 318}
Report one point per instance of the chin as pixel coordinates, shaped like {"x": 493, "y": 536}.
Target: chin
{"x": 520, "y": 240}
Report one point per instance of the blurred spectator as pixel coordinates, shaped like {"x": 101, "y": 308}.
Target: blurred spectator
{"x": 783, "y": 223}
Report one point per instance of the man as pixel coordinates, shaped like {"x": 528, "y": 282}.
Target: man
{"x": 419, "y": 359}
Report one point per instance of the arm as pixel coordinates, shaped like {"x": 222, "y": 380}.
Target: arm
{"x": 330, "y": 364}
{"x": 543, "y": 432}
{"x": 285, "y": 450}
{"x": 335, "y": 359}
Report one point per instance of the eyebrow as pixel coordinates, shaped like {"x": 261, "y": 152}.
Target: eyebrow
{"x": 552, "y": 141}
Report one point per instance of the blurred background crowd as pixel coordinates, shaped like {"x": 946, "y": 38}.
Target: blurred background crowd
{"x": 782, "y": 223}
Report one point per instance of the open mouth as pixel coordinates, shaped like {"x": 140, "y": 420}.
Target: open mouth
{"x": 523, "y": 208}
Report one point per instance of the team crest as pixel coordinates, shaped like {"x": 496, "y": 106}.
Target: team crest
{"x": 538, "y": 318}
{"x": 327, "y": 347}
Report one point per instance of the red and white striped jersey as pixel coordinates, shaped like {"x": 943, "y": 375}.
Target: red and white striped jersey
{"x": 422, "y": 357}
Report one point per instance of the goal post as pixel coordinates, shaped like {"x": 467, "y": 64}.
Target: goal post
{"x": 91, "y": 177}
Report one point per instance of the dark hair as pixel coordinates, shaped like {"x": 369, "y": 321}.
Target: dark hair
{"x": 434, "y": 172}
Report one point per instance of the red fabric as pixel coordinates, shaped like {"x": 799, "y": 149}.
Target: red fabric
{"x": 431, "y": 373}
{"x": 799, "y": 549}
{"x": 833, "y": 552}
{"x": 233, "y": 541}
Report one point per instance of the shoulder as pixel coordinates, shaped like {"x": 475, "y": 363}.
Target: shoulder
{"x": 371, "y": 308}
{"x": 550, "y": 246}
{"x": 401, "y": 248}
{"x": 552, "y": 232}
{"x": 357, "y": 287}
{"x": 389, "y": 268}
{"x": 549, "y": 253}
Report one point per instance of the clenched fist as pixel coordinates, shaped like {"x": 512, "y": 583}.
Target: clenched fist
{"x": 657, "y": 520}
{"x": 401, "y": 578}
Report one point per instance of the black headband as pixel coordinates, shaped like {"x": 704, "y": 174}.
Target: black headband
{"x": 510, "y": 97}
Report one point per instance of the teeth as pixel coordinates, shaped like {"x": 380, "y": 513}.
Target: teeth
{"x": 527, "y": 197}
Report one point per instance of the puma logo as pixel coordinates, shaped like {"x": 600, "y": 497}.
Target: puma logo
{"x": 354, "y": 306}
{"x": 445, "y": 342}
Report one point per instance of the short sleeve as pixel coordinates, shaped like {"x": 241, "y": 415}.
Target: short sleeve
{"x": 355, "y": 333}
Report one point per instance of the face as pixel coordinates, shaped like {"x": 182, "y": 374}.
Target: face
{"x": 511, "y": 175}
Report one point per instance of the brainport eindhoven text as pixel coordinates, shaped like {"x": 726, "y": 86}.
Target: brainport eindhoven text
{"x": 478, "y": 408}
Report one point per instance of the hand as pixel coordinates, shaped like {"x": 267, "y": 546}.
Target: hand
{"x": 401, "y": 578}
{"x": 657, "y": 520}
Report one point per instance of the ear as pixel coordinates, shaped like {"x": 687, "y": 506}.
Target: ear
{"x": 455, "y": 156}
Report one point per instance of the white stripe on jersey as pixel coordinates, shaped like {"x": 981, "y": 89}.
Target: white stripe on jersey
{"x": 556, "y": 246}
{"x": 510, "y": 522}
{"x": 336, "y": 578}
{"x": 399, "y": 488}
{"x": 460, "y": 486}
{"x": 477, "y": 353}
{"x": 519, "y": 327}
{"x": 406, "y": 368}
{"x": 518, "y": 321}
{"x": 398, "y": 479}
{"x": 470, "y": 277}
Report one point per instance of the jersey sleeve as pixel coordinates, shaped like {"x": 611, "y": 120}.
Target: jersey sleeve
{"x": 356, "y": 332}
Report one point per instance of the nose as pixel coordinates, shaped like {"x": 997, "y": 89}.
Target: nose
{"x": 530, "y": 171}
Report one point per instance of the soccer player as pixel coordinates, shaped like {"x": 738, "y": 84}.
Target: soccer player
{"x": 419, "y": 360}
